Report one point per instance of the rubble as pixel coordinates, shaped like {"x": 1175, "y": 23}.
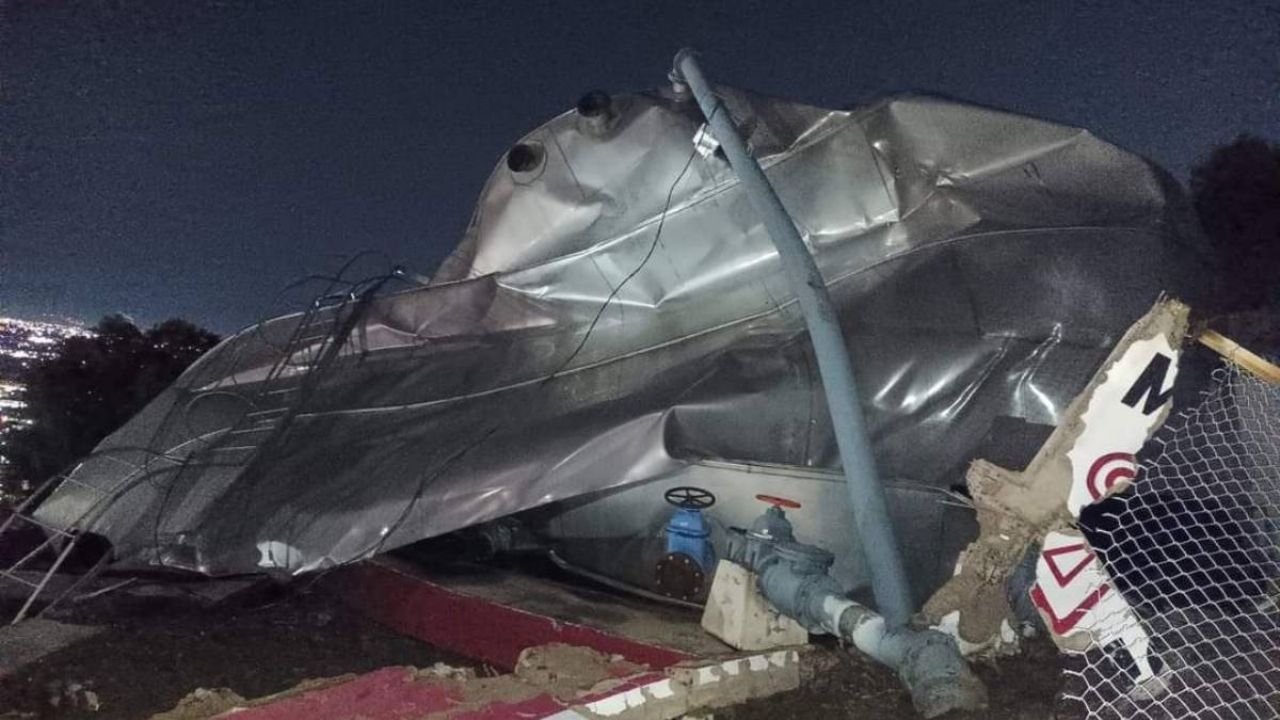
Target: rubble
{"x": 561, "y": 680}
{"x": 1016, "y": 509}
{"x": 203, "y": 703}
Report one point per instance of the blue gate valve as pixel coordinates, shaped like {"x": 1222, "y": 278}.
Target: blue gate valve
{"x": 690, "y": 557}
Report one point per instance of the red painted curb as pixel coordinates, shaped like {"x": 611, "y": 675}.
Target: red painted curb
{"x": 542, "y": 706}
{"x": 474, "y": 626}
{"x": 399, "y": 693}
{"x": 386, "y": 694}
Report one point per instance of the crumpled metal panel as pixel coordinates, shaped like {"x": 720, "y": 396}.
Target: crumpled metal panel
{"x": 618, "y": 310}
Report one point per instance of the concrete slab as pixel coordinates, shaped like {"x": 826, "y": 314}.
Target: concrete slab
{"x": 33, "y": 639}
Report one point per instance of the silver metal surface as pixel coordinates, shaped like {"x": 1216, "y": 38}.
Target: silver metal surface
{"x": 620, "y": 532}
{"x": 615, "y": 312}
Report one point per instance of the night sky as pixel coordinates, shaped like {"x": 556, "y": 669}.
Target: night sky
{"x": 191, "y": 158}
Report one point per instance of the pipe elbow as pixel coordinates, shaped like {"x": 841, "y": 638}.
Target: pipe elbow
{"x": 936, "y": 674}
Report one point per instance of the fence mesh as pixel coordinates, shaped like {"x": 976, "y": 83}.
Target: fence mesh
{"x": 1194, "y": 547}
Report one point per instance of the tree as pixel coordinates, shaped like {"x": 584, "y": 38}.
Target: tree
{"x": 93, "y": 385}
{"x": 1236, "y": 192}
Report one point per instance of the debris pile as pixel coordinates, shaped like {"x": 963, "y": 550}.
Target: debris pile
{"x": 560, "y": 680}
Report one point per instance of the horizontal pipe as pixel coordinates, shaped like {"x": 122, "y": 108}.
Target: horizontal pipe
{"x": 928, "y": 662}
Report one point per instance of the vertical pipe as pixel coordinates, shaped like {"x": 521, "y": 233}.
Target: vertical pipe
{"x": 866, "y": 494}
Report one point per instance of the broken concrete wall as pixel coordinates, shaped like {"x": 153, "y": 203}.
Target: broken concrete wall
{"x": 1016, "y": 510}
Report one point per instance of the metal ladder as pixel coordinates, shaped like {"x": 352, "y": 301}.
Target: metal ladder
{"x": 58, "y": 541}
{"x": 281, "y": 390}
{"x": 273, "y": 406}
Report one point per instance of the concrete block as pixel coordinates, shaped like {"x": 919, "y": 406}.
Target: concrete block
{"x": 738, "y": 614}
{"x": 693, "y": 687}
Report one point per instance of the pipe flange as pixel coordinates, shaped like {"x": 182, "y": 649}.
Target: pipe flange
{"x": 680, "y": 576}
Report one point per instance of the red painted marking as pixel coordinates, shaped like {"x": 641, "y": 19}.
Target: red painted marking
{"x": 474, "y": 626}
{"x": 1127, "y": 470}
{"x": 1061, "y": 577}
{"x": 1061, "y": 625}
{"x": 386, "y": 694}
{"x": 394, "y": 694}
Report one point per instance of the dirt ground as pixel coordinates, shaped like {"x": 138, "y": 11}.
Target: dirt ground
{"x": 846, "y": 685}
{"x": 157, "y": 650}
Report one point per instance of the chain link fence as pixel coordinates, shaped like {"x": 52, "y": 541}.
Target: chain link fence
{"x": 1194, "y": 547}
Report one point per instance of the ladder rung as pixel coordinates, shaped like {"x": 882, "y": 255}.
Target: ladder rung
{"x": 46, "y": 545}
{"x": 94, "y": 488}
{"x": 9, "y": 522}
{"x": 31, "y": 519}
{"x": 15, "y": 578}
{"x": 39, "y": 587}
{"x": 20, "y": 511}
{"x": 252, "y": 430}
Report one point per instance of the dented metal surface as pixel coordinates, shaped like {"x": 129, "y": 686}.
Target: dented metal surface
{"x": 616, "y": 311}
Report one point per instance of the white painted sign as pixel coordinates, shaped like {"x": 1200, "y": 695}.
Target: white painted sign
{"x": 1122, "y": 413}
{"x": 1075, "y": 597}
{"x": 1073, "y": 592}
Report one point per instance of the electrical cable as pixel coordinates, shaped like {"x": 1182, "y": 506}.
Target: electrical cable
{"x": 657, "y": 236}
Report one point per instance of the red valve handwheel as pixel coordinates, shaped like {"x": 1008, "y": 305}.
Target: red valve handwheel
{"x": 779, "y": 501}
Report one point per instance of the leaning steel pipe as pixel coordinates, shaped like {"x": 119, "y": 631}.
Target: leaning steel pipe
{"x": 866, "y": 494}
